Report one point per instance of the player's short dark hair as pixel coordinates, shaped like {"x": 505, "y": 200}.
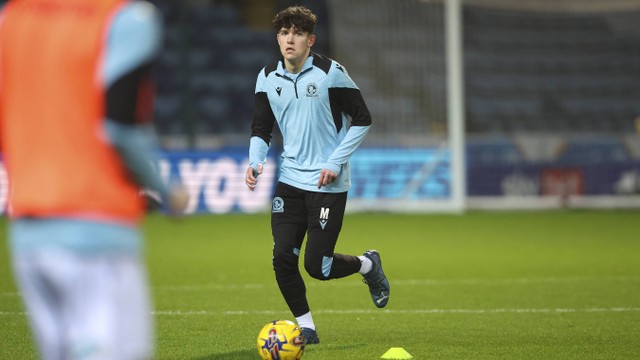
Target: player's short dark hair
{"x": 299, "y": 17}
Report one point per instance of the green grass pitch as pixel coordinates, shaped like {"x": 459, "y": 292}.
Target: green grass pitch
{"x": 494, "y": 285}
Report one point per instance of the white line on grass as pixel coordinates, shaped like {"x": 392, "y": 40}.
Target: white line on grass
{"x": 403, "y": 312}
{"x": 414, "y": 282}
{"x": 377, "y": 312}
{"x": 12, "y": 313}
{"x": 400, "y": 282}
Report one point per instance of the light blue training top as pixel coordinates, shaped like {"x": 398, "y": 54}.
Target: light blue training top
{"x": 312, "y": 110}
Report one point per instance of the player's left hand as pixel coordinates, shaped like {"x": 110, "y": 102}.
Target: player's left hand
{"x": 326, "y": 177}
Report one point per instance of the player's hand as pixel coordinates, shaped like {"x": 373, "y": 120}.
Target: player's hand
{"x": 177, "y": 200}
{"x": 326, "y": 177}
{"x": 251, "y": 177}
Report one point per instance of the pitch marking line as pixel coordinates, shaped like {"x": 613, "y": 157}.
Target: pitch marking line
{"x": 401, "y": 282}
{"x": 379, "y": 312}
{"x": 405, "y": 312}
{"x": 414, "y": 282}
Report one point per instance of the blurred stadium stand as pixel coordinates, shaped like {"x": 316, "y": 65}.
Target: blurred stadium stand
{"x": 551, "y": 71}
{"x": 533, "y": 67}
{"x": 206, "y": 74}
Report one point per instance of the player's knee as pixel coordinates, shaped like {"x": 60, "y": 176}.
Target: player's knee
{"x": 315, "y": 273}
{"x": 318, "y": 269}
{"x": 285, "y": 262}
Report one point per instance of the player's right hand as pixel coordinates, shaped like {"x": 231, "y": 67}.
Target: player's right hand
{"x": 178, "y": 199}
{"x": 251, "y": 177}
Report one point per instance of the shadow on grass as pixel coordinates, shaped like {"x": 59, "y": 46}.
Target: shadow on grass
{"x": 341, "y": 346}
{"x": 253, "y": 353}
{"x": 234, "y": 355}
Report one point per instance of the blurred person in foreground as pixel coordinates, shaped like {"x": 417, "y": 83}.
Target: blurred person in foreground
{"x": 311, "y": 97}
{"x": 75, "y": 105}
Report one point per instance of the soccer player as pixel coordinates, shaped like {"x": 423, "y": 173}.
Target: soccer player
{"x": 311, "y": 97}
{"x": 75, "y": 100}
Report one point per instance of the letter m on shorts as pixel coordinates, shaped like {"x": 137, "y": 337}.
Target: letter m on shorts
{"x": 324, "y": 213}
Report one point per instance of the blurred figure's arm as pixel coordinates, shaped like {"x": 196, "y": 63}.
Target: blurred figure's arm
{"x": 133, "y": 44}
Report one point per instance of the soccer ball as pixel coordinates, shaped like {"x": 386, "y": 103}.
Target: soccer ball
{"x": 280, "y": 340}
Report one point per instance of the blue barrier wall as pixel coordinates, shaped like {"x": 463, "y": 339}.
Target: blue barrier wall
{"x": 215, "y": 179}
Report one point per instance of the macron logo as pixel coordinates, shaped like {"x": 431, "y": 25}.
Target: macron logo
{"x": 324, "y": 217}
{"x": 278, "y": 90}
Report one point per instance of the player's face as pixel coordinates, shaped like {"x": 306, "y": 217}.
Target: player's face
{"x": 295, "y": 44}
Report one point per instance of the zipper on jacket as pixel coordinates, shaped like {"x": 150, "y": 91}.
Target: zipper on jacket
{"x": 295, "y": 82}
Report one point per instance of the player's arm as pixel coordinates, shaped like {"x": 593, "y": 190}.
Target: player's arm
{"x": 261, "y": 130}
{"x": 133, "y": 44}
{"x": 348, "y": 99}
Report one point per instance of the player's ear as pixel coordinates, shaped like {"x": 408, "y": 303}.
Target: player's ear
{"x": 312, "y": 40}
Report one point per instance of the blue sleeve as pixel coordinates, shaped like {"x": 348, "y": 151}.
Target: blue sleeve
{"x": 345, "y": 92}
{"x": 340, "y": 77}
{"x": 136, "y": 145}
{"x": 135, "y": 38}
{"x": 355, "y": 136}
{"x": 133, "y": 41}
{"x": 258, "y": 150}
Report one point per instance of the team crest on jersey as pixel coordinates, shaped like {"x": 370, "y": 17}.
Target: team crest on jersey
{"x": 278, "y": 205}
{"x": 312, "y": 90}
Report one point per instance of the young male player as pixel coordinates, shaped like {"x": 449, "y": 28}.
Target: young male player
{"x": 75, "y": 101}
{"x": 311, "y": 98}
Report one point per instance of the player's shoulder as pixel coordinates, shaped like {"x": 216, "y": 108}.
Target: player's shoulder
{"x": 134, "y": 34}
{"x": 138, "y": 14}
{"x": 269, "y": 69}
{"x": 328, "y": 65}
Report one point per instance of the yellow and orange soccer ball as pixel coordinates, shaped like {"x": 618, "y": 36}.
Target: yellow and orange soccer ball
{"x": 280, "y": 340}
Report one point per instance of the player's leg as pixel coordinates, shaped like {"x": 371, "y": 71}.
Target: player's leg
{"x": 134, "y": 328}
{"x": 326, "y": 212}
{"x": 108, "y": 309}
{"x": 43, "y": 272}
{"x": 325, "y": 216}
{"x": 89, "y": 309}
{"x": 35, "y": 277}
{"x": 288, "y": 226}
